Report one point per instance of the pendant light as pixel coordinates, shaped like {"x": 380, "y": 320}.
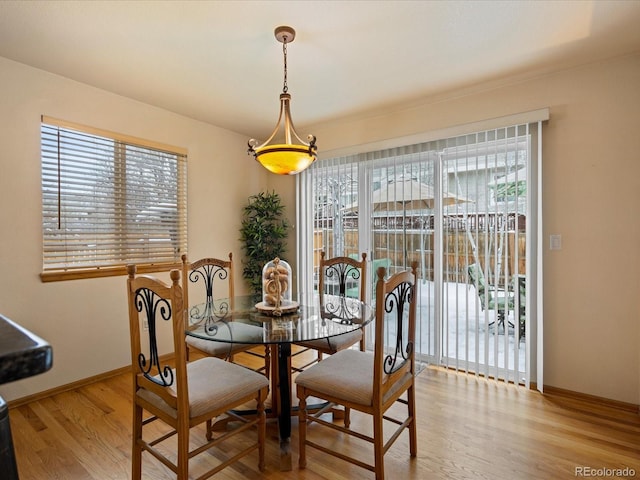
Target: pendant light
{"x": 285, "y": 158}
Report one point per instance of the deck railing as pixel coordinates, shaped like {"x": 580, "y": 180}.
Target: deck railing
{"x": 488, "y": 239}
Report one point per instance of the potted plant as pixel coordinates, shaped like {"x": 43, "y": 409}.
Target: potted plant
{"x": 264, "y": 232}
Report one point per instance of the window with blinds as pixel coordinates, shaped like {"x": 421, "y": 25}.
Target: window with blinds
{"x": 109, "y": 200}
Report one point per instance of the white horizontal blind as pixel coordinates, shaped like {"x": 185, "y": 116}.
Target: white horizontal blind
{"x": 109, "y": 200}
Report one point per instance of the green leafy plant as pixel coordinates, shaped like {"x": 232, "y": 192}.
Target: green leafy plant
{"x": 264, "y": 232}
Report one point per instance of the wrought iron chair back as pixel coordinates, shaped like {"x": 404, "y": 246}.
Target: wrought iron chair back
{"x": 208, "y": 272}
{"x": 150, "y": 303}
{"x": 342, "y": 277}
{"x": 394, "y": 350}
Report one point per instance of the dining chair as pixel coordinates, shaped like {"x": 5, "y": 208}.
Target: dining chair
{"x": 186, "y": 394}
{"x": 207, "y": 272}
{"x": 343, "y": 277}
{"x": 368, "y": 382}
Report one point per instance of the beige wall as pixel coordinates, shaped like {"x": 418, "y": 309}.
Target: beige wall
{"x": 86, "y": 320}
{"x": 591, "y": 178}
{"x": 591, "y": 197}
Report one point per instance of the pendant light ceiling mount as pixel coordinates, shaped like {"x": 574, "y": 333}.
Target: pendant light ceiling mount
{"x": 285, "y": 34}
{"x": 285, "y": 158}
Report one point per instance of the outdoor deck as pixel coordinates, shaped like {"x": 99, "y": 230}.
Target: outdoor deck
{"x": 471, "y": 341}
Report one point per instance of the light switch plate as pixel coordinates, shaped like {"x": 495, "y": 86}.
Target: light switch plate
{"x": 555, "y": 242}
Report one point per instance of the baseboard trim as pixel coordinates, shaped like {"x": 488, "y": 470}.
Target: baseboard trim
{"x": 73, "y": 385}
{"x": 593, "y": 399}
{"x": 548, "y": 391}
{"x": 561, "y": 392}
{"x": 18, "y": 402}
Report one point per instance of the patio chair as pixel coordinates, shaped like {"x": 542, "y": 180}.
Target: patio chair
{"x": 374, "y": 383}
{"x": 375, "y": 264}
{"x": 522, "y": 304}
{"x": 490, "y": 299}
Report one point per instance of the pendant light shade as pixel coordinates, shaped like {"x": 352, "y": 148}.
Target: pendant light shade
{"x": 286, "y": 158}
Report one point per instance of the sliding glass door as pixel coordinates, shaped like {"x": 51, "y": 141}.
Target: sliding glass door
{"x": 462, "y": 209}
{"x": 484, "y": 252}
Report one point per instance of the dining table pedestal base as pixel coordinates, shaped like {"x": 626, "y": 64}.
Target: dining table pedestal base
{"x": 283, "y": 404}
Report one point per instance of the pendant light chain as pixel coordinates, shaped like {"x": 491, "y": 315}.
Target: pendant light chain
{"x": 285, "y": 88}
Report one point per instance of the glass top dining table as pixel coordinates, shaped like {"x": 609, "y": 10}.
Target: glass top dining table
{"x": 310, "y": 317}
{"x": 238, "y": 320}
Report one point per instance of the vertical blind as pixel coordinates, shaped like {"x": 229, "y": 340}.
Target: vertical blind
{"x": 454, "y": 205}
{"x": 334, "y": 187}
{"x": 483, "y": 302}
{"x": 109, "y": 200}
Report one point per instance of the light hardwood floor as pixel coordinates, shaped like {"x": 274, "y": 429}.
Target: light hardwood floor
{"x": 468, "y": 428}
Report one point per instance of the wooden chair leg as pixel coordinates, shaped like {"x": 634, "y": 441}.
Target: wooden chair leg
{"x": 262, "y": 422}
{"x": 378, "y": 445}
{"x": 210, "y": 429}
{"x": 302, "y": 428}
{"x": 183, "y": 451}
{"x": 136, "y": 454}
{"x": 413, "y": 436}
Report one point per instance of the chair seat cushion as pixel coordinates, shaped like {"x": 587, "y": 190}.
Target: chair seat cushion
{"x": 346, "y": 375}
{"x": 501, "y": 302}
{"x": 214, "y": 385}
{"x": 336, "y": 343}
{"x": 224, "y": 333}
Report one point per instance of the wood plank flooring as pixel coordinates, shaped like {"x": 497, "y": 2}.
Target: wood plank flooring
{"x": 468, "y": 428}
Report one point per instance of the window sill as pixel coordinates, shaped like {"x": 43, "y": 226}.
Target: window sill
{"x": 97, "y": 272}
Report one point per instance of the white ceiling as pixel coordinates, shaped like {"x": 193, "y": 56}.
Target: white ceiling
{"x": 219, "y": 62}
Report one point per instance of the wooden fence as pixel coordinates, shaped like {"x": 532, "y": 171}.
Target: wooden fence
{"x": 492, "y": 248}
